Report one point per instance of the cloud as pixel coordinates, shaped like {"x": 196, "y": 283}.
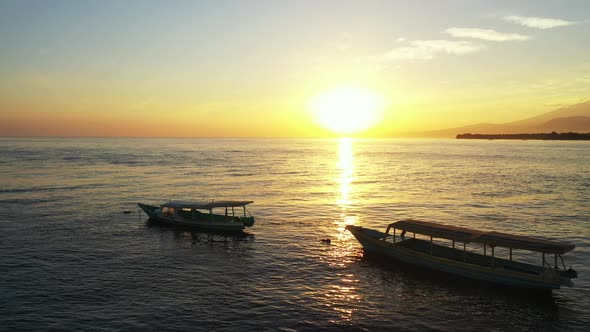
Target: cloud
{"x": 429, "y": 49}
{"x": 485, "y": 34}
{"x": 538, "y": 22}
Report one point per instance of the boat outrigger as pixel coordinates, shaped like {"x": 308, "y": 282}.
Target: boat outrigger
{"x": 199, "y": 215}
{"x": 442, "y": 255}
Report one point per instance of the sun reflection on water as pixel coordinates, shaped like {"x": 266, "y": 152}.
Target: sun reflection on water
{"x": 342, "y": 294}
{"x": 342, "y": 297}
{"x": 346, "y": 168}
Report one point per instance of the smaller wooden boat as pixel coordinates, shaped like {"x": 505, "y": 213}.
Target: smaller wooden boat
{"x": 200, "y": 215}
{"x": 442, "y": 254}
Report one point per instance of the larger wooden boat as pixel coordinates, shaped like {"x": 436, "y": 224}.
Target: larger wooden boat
{"x": 435, "y": 248}
{"x": 200, "y": 215}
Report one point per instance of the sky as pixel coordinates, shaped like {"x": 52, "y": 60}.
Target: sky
{"x": 253, "y": 68}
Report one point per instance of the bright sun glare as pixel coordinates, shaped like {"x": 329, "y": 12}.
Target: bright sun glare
{"x": 347, "y": 110}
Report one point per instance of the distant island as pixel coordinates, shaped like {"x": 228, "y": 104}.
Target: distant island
{"x": 574, "y": 118}
{"x": 541, "y": 136}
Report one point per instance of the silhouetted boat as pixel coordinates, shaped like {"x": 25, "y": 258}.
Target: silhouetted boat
{"x": 199, "y": 215}
{"x": 423, "y": 252}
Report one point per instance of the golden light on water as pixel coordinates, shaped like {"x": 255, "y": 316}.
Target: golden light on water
{"x": 342, "y": 295}
{"x": 347, "y": 110}
{"x": 346, "y": 167}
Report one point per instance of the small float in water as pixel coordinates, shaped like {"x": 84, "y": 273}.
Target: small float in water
{"x": 425, "y": 253}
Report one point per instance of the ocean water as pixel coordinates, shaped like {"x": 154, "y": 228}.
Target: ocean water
{"x": 72, "y": 260}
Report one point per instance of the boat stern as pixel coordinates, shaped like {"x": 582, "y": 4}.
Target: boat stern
{"x": 247, "y": 221}
{"x": 567, "y": 276}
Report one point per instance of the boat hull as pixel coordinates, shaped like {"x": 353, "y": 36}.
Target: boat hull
{"x": 201, "y": 224}
{"x": 489, "y": 274}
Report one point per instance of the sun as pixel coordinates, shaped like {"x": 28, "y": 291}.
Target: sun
{"x": 347, "y": 110}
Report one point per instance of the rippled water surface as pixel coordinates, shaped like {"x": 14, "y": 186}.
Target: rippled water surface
{"x": 71, "y": 259}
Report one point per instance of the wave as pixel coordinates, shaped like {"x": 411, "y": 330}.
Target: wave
{"x": 40, "y": 189}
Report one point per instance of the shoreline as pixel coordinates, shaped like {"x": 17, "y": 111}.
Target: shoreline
{"x": 537, "y": 136}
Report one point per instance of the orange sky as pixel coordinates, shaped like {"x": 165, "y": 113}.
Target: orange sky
{"x": 202, "y": 69}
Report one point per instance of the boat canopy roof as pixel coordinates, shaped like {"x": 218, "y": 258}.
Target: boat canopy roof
{"x": 462, "y": 234}
{"x": 205, "y": 205}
